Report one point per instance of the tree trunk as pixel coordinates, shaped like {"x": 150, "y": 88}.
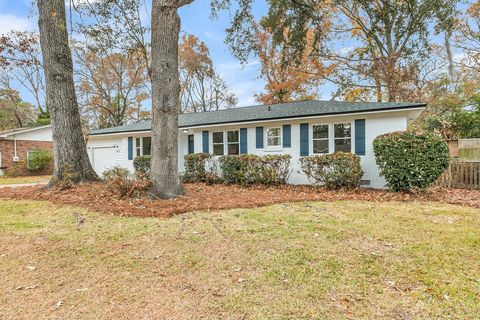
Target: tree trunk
{"x": 448, "y": 48}
{"x": 165, "y": 95}
{"x": 70, "y": 154}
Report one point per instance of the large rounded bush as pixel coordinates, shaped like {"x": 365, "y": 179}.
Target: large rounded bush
{"x": 410, "y": 160}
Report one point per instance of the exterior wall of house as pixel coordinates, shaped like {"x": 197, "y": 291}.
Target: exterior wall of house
{"x": 115, "y": 149}
{"x": 24, "y": 140}
{"x": 7, "y": 154}
{"x": 375, "y": 124}
{"x": 36, "y": 134}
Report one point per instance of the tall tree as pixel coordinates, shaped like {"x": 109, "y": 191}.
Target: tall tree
{"x": 165, "y": 95}
{"x": 14, "y": 113}
{"x": 112, "y": 86}
{"x": 69, "y": 149}
{"x": 468, "y": 39}
{"x": 287, "y": 82}
{"x": 385, "y": 43}
{"x": 20, "y": 59}
{"x": 201, "y": 87}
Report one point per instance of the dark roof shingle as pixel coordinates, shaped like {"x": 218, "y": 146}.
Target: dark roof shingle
{"x": 269, "y": 112}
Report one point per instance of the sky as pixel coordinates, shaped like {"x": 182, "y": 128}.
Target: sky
{"x": 243, "y": 80}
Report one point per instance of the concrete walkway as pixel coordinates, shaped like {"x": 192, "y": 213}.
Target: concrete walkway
{"x": 19, "y": 185}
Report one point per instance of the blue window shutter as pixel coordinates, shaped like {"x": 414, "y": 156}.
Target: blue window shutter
{"x": 191, "y": 146}
{"x": 304, "y": 140}
{"x": 243, "y": 140}
{"x": 130, "y": 148}
{"x": 259, "y": 137}
{"x": 360, "y": 137}
{"x": 205, "y": 141}
{"x": 287, "y": 136}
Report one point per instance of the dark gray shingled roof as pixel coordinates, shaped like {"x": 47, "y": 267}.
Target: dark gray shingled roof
{"x": 276, "y": 111}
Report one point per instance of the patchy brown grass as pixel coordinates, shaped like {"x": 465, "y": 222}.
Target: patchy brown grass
{"x": 96, "y": 197}
{"x": 316, "y": 260}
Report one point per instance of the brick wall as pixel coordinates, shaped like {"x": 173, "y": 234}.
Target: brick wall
{"x": 6, "y": 148}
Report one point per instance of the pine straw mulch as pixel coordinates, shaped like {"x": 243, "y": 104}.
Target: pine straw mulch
{"x": 95, "y": 197}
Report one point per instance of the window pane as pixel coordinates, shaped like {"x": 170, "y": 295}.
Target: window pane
{"x": 320, "y": 146}
{"x": 320, "y": 132}
{"x": 218, "y": 149}
{"x": 273, "y": 132}
{"x": 137, "y": 146}
{"x": 147, "y": 146}
{"x": 234, "y": 148}
{"x": 344, "y": 145}
{"x": 217, "y": 137}
{"x": 342, "y": 130}
{"x": 232, "y": 136}
{"x": 273, "y": 142}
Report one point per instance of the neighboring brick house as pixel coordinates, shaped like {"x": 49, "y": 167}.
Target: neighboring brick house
{"x": 16, "y": 144}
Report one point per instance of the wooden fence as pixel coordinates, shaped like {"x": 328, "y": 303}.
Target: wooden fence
{"x": 461, "y": 174}
{"x": 469, "y": 149}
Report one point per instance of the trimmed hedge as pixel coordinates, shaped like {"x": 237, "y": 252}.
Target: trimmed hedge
{"x": 142, "y": 165}
{"x": 338, "y": 170}
{"x": 252, "y": 169}
{"x": 410, "y": 160}
{"x": 200, "y": 167}
{"x": 240, "y": 169}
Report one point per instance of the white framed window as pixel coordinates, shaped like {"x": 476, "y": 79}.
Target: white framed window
{"x": 321, "y": 138}
{"x": 143, "y": 146}
{"x": 274, "y": 137}
{"x": 343, "y": 136}
{"x": 218, "y": 143}
{"x": 233, "y": 142}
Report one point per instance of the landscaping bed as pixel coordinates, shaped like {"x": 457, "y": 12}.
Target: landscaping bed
{"x": 201, "y": 196}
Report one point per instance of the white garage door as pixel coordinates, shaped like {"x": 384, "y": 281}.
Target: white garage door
{"x": 103, "y": 158}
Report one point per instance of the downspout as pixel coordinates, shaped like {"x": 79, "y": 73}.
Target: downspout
{"x": 15, "y": 146}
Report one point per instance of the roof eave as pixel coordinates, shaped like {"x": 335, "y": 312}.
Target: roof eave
{"x": 330, "y": 114}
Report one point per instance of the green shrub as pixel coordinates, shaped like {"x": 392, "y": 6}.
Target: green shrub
{"x": 335, "y": 170}
{"x": 142, "y": 165}
{"x": 200, "y": 167}
{"x": 275, "y": 169}
{"x": 121, "y": 182}
{"x": 410, "y": 160}
{"x": 239, "y": 169}
{"x": 39, "y": 159}
{"x": 253, "y": 169}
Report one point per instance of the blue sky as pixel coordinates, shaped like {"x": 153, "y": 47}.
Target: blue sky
{"x": 242, "y": 80}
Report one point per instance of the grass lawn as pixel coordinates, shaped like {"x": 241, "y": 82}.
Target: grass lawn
{"x": 20, "y": 180}
{"x": 329, "y": 260}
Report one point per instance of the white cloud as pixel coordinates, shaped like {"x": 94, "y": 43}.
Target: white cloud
{"x": 75, "y": 2}
{"x": 459, "y": 57}
{"x": 213, "y": 36}
{"x": 237, "y": 66}
{"x": 245, "y": 90}
{"x": 10, "y": 22}
{"x": 242, "y": 79}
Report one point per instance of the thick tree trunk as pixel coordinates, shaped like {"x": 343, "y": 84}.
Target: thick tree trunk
{"x": 70, "y": 153}
{"x": 165, "y": 95}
